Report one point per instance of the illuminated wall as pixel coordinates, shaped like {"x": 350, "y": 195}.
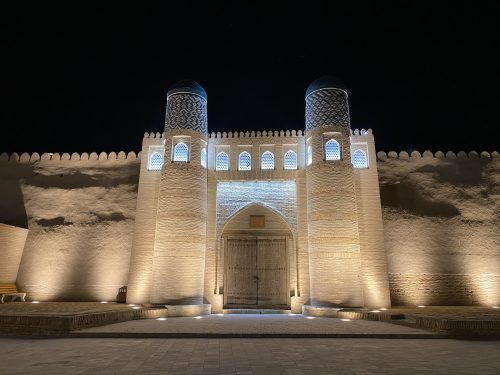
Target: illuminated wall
{"x": 441, "y": 220}
{"x": 80, "y": 213}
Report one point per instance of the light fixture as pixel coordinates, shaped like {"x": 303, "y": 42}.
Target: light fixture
{"x": 35, "y": 301}
{"x": 375, "y": 311}
{"x": 104, "y": 301}
{"x": 198, "y": 317}
{"x": 420, "y": 306}
{"x": 345, "y": 320}
{"x": 136, "y": 307}
{"x": 310, "y": 317}
{"x": 220, "y": 314}
{"x": 161, "y": 319}
{"x": 383, "y": 308}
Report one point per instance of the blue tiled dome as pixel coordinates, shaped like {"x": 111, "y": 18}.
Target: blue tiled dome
{"x": 324, "y": 83}
{"x": 188, "y": 85}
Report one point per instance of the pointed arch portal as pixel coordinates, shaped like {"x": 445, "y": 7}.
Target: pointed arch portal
{"x": 256, "y": 247}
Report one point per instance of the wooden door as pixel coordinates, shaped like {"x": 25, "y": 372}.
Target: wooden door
{"x": 272, "y": 272}
{"x": 256, "y": 272}
{"x": 240, "y": 284}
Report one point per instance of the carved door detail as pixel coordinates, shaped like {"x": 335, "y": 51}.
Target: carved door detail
{"x": 256, "y": 272}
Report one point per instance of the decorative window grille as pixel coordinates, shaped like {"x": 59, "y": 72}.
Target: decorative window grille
{"x": 267, "y": 160}
{"x": 290, "y": 160}
{"x": 309, "y": 155}
{"x": 332, "y": 150}
{"x": 359, "y": 159}
{"x": 203, "y": 157}
{"x": 222, "y": 162}
{"x": 155, "y": 161}
{"x": 244, "y": 161}
{"x": 181, "y": 152}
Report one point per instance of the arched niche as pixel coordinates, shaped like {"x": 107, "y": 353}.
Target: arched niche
{"x": 258, "y": 258}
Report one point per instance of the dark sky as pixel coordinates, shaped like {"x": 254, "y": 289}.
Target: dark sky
{"x": 95, "y": 79}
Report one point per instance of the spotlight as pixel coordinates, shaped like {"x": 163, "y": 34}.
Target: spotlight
{"x": 420, "y": 306}
{"x": 161, "y": 319}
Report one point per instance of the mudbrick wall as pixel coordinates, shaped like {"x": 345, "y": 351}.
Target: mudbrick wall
{"x": 442, "y": 227}
{"x": 80, "y": 215}
{"x": 441, "y": 219}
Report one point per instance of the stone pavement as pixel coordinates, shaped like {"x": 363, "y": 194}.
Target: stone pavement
{"x": 247, "y": 356}
{"x": 254, "y": 325}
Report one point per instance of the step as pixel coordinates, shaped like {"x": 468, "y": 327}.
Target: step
{"x": 256, "y": 311}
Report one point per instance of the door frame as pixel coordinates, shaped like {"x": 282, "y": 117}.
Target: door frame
{"x": 256, "y": 236}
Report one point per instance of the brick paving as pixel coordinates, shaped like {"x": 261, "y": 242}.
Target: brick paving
{"x": 254, "y": 324}
{"x": 248, "y": 356}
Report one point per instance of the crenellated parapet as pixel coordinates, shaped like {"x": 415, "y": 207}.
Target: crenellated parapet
{"x": 75, "y": 156}
{"x": 382, "y": 155}
{"x": 257, "y": 134}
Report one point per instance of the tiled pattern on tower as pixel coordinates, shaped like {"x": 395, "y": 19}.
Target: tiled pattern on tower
{"x": 325, "y": 108}
{"x": 186, "y": 111}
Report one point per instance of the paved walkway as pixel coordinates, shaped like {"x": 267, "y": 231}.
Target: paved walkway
{"x": 248, "y": 356}
{"x": 254, "y": 324}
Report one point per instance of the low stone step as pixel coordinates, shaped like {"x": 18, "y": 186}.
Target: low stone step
{"x": 256, "y": 311}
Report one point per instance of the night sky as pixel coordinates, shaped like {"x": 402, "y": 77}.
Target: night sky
{"x": 95, "y": 79}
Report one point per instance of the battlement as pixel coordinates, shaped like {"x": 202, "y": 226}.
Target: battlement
{"x": 75, "y": 156}
{"x": 255, "y": 134}
{"x": 382, "y": 155}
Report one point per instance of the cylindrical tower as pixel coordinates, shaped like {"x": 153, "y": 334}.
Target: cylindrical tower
{"x": 331, "y": 205}
{"x": 179, "y": 252}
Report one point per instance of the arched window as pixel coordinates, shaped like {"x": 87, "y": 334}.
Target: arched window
{"x": 222, "y": 162}
{"x": 181, "y": 152}
{"x": 267, "y": 160}
{"x": 244, "y": 161}
{"x": 332, "y": 150}
{"x": 309, "y": 155}
{"x": 359, "y": 159}
{"x": 155, "y": 161}
{"x": 290, "y": 160}
{"x": 203, "y": 157}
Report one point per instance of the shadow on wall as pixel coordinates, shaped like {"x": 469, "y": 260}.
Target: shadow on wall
{"x": 14, "y": 175}
{"x": 458, "y": 172}
{"x": 405, "y": 196}
{"x": 12, "y": 209}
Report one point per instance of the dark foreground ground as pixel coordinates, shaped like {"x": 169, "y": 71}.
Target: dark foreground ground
{"x": 248, "y": 356}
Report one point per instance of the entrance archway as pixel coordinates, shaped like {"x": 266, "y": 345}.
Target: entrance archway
{"x": 256, "y": 259}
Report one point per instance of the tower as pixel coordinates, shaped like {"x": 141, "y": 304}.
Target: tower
{"x": 334, "y": 249}
{"x": 180, "y": 240}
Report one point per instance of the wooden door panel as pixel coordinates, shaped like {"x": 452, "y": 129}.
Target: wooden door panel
{"x": 241, "y": 275}
{"x": 272, "y": 271}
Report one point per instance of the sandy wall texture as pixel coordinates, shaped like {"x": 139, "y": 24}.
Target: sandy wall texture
{"x": 441, "y": 218}
{"x": 12, "y": 240}
{"x": 442, "y": 228}
{"x": 80, "y": 215}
